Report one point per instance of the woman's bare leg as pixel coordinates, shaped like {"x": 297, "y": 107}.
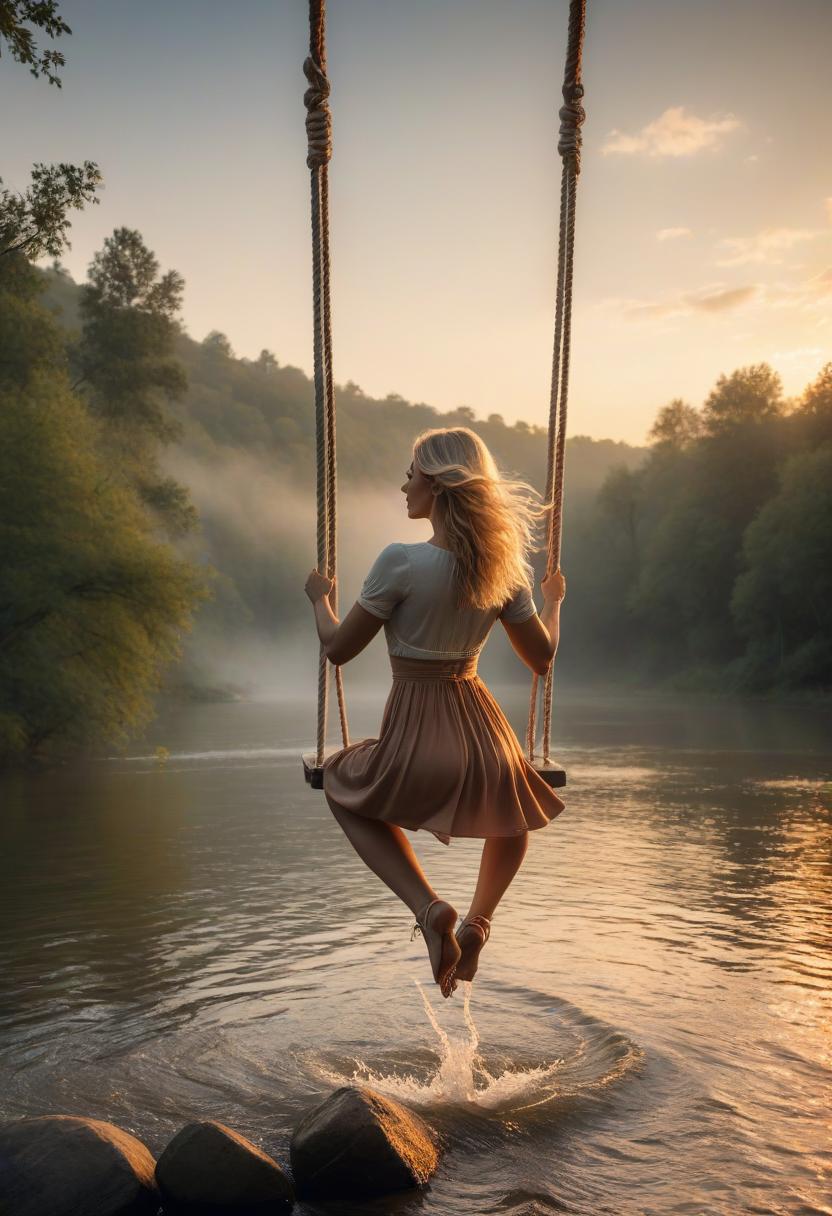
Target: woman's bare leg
{"x": 389, "y": 854}
{"x": 502, "y": 857}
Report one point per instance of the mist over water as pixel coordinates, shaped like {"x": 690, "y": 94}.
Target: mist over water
{"x": 193, "y": 937}
{"x": 256, "y": 524}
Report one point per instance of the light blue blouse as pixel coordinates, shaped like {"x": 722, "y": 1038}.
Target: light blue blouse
{"x": 411, "y": 587}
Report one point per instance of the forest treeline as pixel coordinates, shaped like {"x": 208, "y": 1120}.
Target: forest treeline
{"x": 247, "y": 451}
{"x": 701, "y": 562}
{"x": 157, "y": 496}
{"x": 94, "y": 596}
{"x": 710, "y": 565}
{"x": 129, "y": 554}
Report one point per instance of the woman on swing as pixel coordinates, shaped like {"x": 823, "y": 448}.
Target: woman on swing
{"x": 447, "y": 759}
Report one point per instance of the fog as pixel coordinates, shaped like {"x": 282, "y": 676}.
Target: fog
{"x": 260, "y": 532}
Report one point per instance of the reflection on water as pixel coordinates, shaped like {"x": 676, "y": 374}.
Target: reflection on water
{"x": 649, "y": 1031}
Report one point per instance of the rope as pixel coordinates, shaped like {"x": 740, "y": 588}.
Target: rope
{"x": 319, "y": 139}
{"x": 572, "y": 115}
{"x": 319, "y": 153}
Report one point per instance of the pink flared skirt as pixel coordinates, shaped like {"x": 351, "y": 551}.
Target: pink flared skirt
{"x": 446, "y": 759}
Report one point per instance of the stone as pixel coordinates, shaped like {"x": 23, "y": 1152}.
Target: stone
{"x": 68, "y": 1165}
{"x": 210, "y": 1167}
{"x": 359, "y": 1143}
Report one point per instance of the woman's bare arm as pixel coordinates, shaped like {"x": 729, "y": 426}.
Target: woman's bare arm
{"x": 550, "y": 619}
{"x": 536, "y": 640}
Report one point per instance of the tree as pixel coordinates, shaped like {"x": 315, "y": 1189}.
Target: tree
{"x": 782, "y": 601}
{"x": 92, "y": 606}
{"x": 706, "y": 477}
{"x": 813, "y": 416}
{"x": 125, "y": 369}
{"x": 679, "y": 600}
{"x": 123, "y": 275}
{"x": 42, "y": 14}
{"x": 25, "y": 342}
{"x": 619, "y": 499}
{"x": 602, "y": 550}
{"x": 35, "y": 222}
{"x": 750, "y": 394}
{"x": 677, "y": 425}
{"x": 216, "y": 343}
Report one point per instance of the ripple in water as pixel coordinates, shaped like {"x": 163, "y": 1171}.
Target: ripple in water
{"x": 459, "y": 1074}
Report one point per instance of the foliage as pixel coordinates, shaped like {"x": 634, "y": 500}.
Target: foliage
{"x": 92, "y": 605}
{"x": 782, "y": 601}
{"x": 36, "y": 222}
{"x": 657, "y": 543}
{"x": 677, "y": 425}
{"x": 42, "y": 14}
{"x": 716, "y": 552}
{"x": 126, "y": 369}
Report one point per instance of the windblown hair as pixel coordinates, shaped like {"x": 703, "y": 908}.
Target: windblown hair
{"x": 489, "y": 519}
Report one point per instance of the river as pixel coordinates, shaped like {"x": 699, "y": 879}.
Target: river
{"x": 650, "y": 1031}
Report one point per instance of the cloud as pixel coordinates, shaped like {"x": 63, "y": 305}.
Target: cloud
{"x": 716, "y": 298}
{"x": 720, "y": 301}
{"x": 706, "y": 299}
{"x": 672, "y": 234}
{"x": 805, "y": 295}
{"x": 765, "y": 246}
{"x": 673, "y": 133}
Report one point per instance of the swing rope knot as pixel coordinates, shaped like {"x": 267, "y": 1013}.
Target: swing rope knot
{"x": 572, "y": 115}
{"x": 318, "y": 116}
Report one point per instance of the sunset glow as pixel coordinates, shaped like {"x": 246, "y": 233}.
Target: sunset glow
{"x": 704, "y": 235}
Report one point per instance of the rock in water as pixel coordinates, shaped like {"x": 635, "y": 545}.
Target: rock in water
{"x": 359, "y": 1143}
{"x": 66, "y": 1165}
{"x": 209, "y": 1166}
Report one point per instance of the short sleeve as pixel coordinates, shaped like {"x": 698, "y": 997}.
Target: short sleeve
{"x": 387, "y": 583}
{"x": 520, "y": 607}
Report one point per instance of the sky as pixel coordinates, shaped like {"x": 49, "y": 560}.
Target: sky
{"x": 704, "y": 213}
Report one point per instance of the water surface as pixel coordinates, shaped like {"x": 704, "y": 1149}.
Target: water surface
{"x": 650, "y": 1030}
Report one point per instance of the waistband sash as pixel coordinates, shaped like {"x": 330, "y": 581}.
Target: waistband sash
{"x": 405, "y": 668}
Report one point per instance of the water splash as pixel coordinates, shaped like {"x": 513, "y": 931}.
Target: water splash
{"x": 461, "y": 1076}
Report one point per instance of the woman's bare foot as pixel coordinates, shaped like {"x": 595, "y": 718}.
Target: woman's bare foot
{"x": 436, "y": 923}
{"x": 472, "y": 935}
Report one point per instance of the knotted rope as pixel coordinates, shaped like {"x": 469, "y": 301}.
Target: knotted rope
{"x": 572, "y": 115}
{"x": 319, "y": 137}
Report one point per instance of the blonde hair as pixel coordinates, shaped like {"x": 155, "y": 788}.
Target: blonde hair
{"x": 489, "y": 519}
